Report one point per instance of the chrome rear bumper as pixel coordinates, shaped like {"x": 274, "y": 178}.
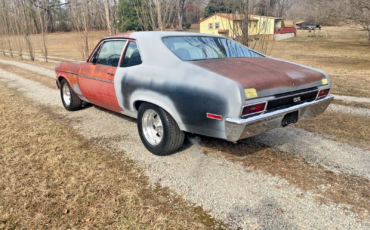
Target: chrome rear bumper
{"x": 237, "y": 129}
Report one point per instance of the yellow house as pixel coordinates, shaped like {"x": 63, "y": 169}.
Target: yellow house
{"x": 230, "y": 25}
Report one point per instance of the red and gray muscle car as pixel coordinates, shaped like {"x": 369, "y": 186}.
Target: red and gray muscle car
{"x": 177, "y": 83}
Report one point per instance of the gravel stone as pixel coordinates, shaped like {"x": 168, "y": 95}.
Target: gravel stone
{"x": 362, "y": 112}
{"x": 39, "y": 70}
{"x": 332, "y": 155}
{"x": 352, "y": 99}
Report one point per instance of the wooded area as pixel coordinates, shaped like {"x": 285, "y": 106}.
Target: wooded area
{"x": 22, "y": 18}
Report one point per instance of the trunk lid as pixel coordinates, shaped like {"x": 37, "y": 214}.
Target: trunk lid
{"x": 268, "y": 76}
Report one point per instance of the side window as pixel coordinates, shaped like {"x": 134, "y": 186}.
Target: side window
{"x": 132, "y": 56}
{"x": 110, "y": 53}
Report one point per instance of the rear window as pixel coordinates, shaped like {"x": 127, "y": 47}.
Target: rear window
{"x": 192, "y": 48}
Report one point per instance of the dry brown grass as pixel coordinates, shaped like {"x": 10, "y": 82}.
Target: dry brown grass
{"x": 61, "y": 44}
{"x": 53, "y": 179}
{"x": 343, "y": 52}
{"x": 344, "y": 128}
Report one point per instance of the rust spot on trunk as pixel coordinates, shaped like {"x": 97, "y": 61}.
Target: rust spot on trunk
{"x": 261, "y": 73}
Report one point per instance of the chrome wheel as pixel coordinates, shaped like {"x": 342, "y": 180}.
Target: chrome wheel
{"x": 152, "y": 127}
{"x": 66, "y": 94}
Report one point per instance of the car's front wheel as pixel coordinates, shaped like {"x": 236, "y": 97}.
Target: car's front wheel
{"x": 69, "y": 98}
{"x": 158, "y": 131}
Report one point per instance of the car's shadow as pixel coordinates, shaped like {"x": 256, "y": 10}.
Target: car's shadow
{"x": 208, "y": 145}
{"x": 122, "y": 116}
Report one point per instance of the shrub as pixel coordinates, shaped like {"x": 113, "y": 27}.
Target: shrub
{"x": 187, "y": 25}
{"x": 63, "y": 27}
{"x": 168, "y": 26}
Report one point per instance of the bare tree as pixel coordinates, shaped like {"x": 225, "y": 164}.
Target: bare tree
{"x": 145, "y": 10}
{"x": 240, "y": 20}
{"x": 107, "y": 16}
{"x": 283, "y": 6}
{"x": 81, "y": 23}
{"x": 43, "y": 20}
{"x": 360, "y": 13}
{"x": 159, "y": 16}
{"x": 169, "y": 6}
{"x": 17, "y": 25}
{"x": 110, "y": 15}
{"x": 27, "y": 25}
{"x": 181, "y": 5}
{"x": 6, "y": 26}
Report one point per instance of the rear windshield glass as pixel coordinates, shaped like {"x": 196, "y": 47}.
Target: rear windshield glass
{"x": 200, "y": 48}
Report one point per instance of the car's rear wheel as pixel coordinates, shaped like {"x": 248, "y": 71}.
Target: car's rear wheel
{"x": 69, "y": 98}
{"x": 158, "y": 131}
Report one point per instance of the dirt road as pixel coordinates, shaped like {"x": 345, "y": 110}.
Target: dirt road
{"x": 283, "y": 179}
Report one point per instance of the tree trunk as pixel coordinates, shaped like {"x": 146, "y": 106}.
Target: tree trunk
{"x": 179, "y": 14}
{"x": 160, "y": 25}
{"x": 50, "y": 19}
{"x": 107, "y": 16}
{"x": 246, "y": 16}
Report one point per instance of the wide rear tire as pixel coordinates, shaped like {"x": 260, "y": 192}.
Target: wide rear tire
{"x": 158, "y": 131}
{"x": 69, "y": 98}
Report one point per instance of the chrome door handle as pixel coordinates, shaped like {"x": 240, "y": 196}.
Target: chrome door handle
{"x": 110, "y": 73}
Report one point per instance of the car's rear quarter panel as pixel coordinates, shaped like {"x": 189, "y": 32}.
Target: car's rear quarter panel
{"x": 187, "y": 93}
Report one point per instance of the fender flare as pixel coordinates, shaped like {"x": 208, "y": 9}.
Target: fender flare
{"x": 141, "y": 95}
{"x": 76, "y": 88}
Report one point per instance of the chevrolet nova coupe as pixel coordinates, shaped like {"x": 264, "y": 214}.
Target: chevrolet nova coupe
{"x": 177, "y": 83}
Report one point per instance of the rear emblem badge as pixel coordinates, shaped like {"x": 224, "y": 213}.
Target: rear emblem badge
{"x": 296, "y": 99}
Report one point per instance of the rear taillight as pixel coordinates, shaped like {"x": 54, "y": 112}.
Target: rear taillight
{"x": 252, "y": 109}
{"x": 323, "y": 93}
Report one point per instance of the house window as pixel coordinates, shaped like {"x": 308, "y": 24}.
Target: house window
{"x": 210, "y": 26}
{"x": 250, "y": 24}
{"x": 264, "y": 25}
{"x": 255, "y": 24}
{"x": 217, "y": 25}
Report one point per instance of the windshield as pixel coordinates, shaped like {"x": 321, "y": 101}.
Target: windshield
{"x": 193, "y": 48}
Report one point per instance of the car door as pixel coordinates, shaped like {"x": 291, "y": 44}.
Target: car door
{"x": 130, "y": 60}
{"x": 96, "y": 77}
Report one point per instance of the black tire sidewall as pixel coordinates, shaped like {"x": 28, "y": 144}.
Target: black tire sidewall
{"x": 161, "y": 147}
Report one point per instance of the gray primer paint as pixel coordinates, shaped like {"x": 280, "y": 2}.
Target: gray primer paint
{"x": 184, "y": 90}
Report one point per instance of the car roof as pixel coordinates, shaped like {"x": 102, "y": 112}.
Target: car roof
{"x": 159, "y": 34}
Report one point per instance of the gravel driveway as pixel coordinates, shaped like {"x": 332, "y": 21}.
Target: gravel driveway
{"x": 237, "y": 195}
